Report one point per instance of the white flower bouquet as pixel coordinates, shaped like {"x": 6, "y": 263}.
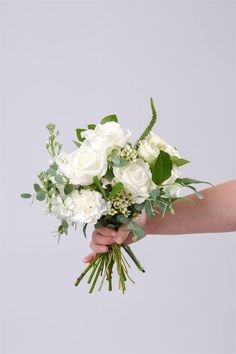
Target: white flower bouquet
{"x": 108, "y": 181}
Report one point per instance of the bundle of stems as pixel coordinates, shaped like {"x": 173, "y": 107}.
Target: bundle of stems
{"x": 102, "y": 268}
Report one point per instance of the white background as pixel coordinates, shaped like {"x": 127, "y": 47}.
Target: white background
{"x": 73, "y": 63}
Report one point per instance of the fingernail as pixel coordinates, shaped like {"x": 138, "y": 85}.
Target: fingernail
{"x": 103, "y": 249}
{"x": 119, "y": 241}
{"x": 113, "y": 233}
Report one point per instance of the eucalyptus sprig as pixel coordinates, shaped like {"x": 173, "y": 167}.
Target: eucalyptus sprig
{"x": 53, "y": 146}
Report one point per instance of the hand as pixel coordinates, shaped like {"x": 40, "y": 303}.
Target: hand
{"x": 105, "y": 236}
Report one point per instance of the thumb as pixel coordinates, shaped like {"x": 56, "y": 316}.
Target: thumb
{"x": 122, "y": 235}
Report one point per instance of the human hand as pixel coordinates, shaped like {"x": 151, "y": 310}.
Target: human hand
{"x": 103, "y": 237}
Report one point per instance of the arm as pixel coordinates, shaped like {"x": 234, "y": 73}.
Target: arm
{"x": 215, "y": 213}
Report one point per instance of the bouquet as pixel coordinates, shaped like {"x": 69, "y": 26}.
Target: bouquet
{"x": 108, "y": 181}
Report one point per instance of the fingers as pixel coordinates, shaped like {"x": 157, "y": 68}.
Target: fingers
{"x": 122, "y": 235}
{"x": 98, "y": 248}
{"x": 102, "y": 240}
{"x": 106, "y": 231}
{"x": 90, "y": 257}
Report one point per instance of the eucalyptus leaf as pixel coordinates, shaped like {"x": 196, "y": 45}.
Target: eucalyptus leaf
{"x": 37, "y": 187}
{"x": 26, "y": 195}
{"x": 51, "y": 172}
{"x": 149, "y": 209}
{"x": 65, "y": 224}
{"x": 40, "y": 196}
{"x": 122, "y": 219}
{"x": 59, "y": 179}
{"x": 139, "y": 207}
{"x": 68, "y": 188}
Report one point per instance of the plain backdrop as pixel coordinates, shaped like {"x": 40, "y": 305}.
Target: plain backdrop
{"x": 73, "y": 63}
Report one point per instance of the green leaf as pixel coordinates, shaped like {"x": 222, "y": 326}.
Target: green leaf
{"x": 178, "y": 161}
{"x": 26, "y": 195}
{"x": 155, "y": 193}
{"x": 51, "y": 172}
{"x": 54, "y": 166}
{"x": 117, "y": 188}
{"x": 139, "y": 207}
{"x": 110, "y": 118}
{"x": 109, "y": 174}
{"x": 162, "y": 168}
{"x": 84, "y": 229}
{"x": 138, "y": 232}
{"x": 78, "y": 133}
{"x": 59, "y": 179}
{"x": 119, "y": 162}
{"x": 187, "y": 181}
{"x": 68, "y": 188}
{"x": 148, "y": 208}
{"x": 65, "y": 224}
{"x": 37, "y": 187}
{"x": 122, "y": 219}
{"x": 91, "y": 126}
{"x": 97, "y": 183}
{"x": 76, "y": 143}
{"x": 40, "y": 196}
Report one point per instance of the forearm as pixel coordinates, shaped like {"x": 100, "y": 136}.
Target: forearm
{"x": 215, "y": 213}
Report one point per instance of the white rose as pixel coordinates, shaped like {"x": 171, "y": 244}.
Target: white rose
{"x": 137, "y": 179}
{"x": 170, "y": 188}
{"x": 150, "y": 147}
{"x": 106, "y": 137}
{"x": 88, "y": 206}
{"x": 82, "y": 165}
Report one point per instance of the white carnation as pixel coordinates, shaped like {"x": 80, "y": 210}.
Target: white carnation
{"x": 137, "y": 179}
{"x": 82, "y": 165}
{"x": 150, "y": 147}
{"x": 106, "y": 137}
{"x": 83, "y": 206}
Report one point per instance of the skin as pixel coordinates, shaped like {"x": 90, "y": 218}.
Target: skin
{"x": 215, "y": 213}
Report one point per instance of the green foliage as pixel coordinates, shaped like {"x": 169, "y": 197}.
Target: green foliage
{"x": 41, "y": 195}
{"x": 109, "y": 174}
{"x": 137, "y": 231}
{"x": 149, "y": 209}
{"x": 139, "y": 207}
{"x": 118, "y": 161}
{"x": 122, "y": 219}
{"x": 26, "y": 195}
{"x": 53, "y": 146}
{"x": 91, "y": 126}
{"x": 59, "y": 179}
{"x": 76, "y": 143}
{"x": 78, "y": 133}
{"x": 99, "y": 187}
{"x": 84, "y": 229}
{"x": 150, "y": 125}
{"x": 68, "y": 188}
{"x": 37, "y": 188}
{"x": 187, "y": 181}
{"x": 117, "y": 188}
{"x": 162, "y": 168}
{"x": 178, "y": 161}
{"x": 110, "y": 118}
